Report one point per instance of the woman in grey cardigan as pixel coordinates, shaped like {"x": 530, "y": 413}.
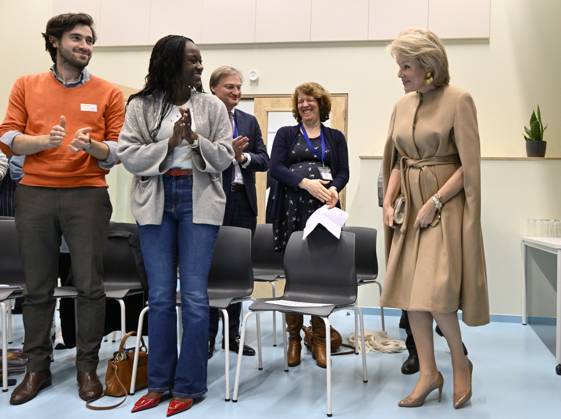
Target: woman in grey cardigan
{"x": 176, "y": 141}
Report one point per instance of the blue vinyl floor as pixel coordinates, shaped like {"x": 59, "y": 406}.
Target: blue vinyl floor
{"x": 514, "y": 377}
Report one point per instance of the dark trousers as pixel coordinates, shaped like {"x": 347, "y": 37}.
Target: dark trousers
{"x": 404, "y": 324}
{"x": 82, "y": 216}
{"x": 238, "y": 214}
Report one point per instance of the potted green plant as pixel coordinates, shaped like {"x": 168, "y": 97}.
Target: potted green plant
{"x": 535, "y": 144}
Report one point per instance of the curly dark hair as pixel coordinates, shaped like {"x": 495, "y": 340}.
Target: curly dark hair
{"x": 58, "y": 25}
{"x": 318, "y": 92}
{"x": 164, "y": 71}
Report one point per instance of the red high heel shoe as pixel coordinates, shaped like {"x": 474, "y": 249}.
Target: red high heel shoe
{"x": 146, "y": 402}
{"x": 177, "y": 405}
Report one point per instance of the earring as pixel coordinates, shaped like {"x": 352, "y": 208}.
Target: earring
{"x": 428, "y": 78}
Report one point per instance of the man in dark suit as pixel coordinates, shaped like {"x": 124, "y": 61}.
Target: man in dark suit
{"x": 238, "y": 181}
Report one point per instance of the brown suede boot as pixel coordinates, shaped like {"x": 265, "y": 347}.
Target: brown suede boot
{"x": 293, "y": 325}
{"x": 318, "y": 342}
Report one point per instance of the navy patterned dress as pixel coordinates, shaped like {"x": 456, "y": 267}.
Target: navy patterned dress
{"x": 297, "y": 204}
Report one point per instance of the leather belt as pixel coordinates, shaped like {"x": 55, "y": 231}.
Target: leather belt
{"x": 237, "y": 187}
{"x": 179, "y": 172}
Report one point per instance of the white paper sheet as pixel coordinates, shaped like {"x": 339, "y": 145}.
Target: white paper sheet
{"x": 332, "y": 219}
{"x": 296, "y": 303}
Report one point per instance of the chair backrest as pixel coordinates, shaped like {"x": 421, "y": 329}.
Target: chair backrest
{"x": 122, "y": 259}
{"x": 263, "y": 256}
{"x": 321, "y": 268}
{"x": 231, "y": 271}
{"x": 366, "y": 256}
{"x": 11, "y": 267}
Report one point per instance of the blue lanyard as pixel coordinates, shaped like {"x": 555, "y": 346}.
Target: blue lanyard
{"x": 234, "y": 127}
{"x": 310, "y": 146}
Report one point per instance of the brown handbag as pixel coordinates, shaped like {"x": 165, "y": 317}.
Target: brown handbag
{"x": 119, "y": 372}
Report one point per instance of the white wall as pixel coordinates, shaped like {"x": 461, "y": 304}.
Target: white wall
{"x": 507, "y": 75}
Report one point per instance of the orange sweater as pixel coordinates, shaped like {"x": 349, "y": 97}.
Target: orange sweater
{"x": 36, "y": 104}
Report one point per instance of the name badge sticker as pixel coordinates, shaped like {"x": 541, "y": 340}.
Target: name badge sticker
{"x": 325, "y": 173}
{"x": 88, "y": 107}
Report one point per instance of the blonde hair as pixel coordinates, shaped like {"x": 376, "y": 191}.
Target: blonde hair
{"x": 423, "y": 46}
{"x": 318, "y": 92}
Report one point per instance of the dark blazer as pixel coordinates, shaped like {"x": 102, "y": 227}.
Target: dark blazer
{"x": 284, "y": 142}
{"x": 247, "y": 126}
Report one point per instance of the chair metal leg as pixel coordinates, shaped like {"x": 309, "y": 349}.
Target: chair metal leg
{"x": 381, "y": 308}
{"x": 356, "y": 335}
{"x": 358, "y": 312}
{"x": 226, "y": 326}
{"x": 136, "y": 348}
{"x": 4, "y": 310}
{"x": 284, "y": 342}
{"x": 10, "y": 332}
{"x": 240, "y": 352}
{"x": 328, "y": 364}
{"x": 123, "y": 317}
{"x": 274, "y": 293}
{"x": 259, "y": 350}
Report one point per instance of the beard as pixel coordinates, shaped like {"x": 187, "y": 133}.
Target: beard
{"x": 68, "y": 58}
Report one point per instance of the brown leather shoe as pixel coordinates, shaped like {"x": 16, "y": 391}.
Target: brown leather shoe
{"x": 32, "y": 384}
{"x": 89, "y": 387}
{"x": 318, "y": 342}
{"x": 293, "y": 325}
{"x": 294, "y": 351}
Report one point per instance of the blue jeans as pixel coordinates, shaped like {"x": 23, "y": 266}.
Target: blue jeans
{"x": 178, "y": 243}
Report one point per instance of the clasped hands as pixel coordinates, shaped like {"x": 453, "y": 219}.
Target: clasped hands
{"x": 182, "y": 130}
{"x": 316, "y": 188}
{"x": 81, "y": 140}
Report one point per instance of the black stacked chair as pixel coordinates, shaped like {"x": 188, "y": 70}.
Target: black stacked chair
{"x": 367, "y": 262}
{"x": 12, "y": 280}
{"x": 320, "y": 278}
{"x": 267, "y": 264}
{"x": 123, "y": 277}
{"x": 124, "y": 274}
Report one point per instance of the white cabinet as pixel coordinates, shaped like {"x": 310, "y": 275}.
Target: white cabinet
{"x": 336, "y": 20}
{"x": 124, "y": 22}
{"x": 175, "y": 17}
{"x": 283, "y": 20}
{"x": 143, "y": 22}
{"x": 388, "y": 18}
{"x": 460, "y": 18}
{"x": 231, "y": 22}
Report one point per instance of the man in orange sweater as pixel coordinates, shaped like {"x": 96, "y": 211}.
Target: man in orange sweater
{"x": 66, "y": 122}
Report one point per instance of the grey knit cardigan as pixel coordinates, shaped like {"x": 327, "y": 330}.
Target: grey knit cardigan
{"x": 147, "y": 159}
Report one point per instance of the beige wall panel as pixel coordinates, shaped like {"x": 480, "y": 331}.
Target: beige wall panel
{"x": 283, "y": 20}
{"x": 176, "y": 17}
{"x": 228, "y": 22}
{"x": 91, "y": 7}
{"x": 460, "y": 18}
{"x": 336, "y": 20}
{"x": 388, "y": 19}
{"x": 124, "y": 22}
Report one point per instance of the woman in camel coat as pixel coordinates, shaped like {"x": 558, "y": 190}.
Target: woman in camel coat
{"x": 435, "y": 259}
